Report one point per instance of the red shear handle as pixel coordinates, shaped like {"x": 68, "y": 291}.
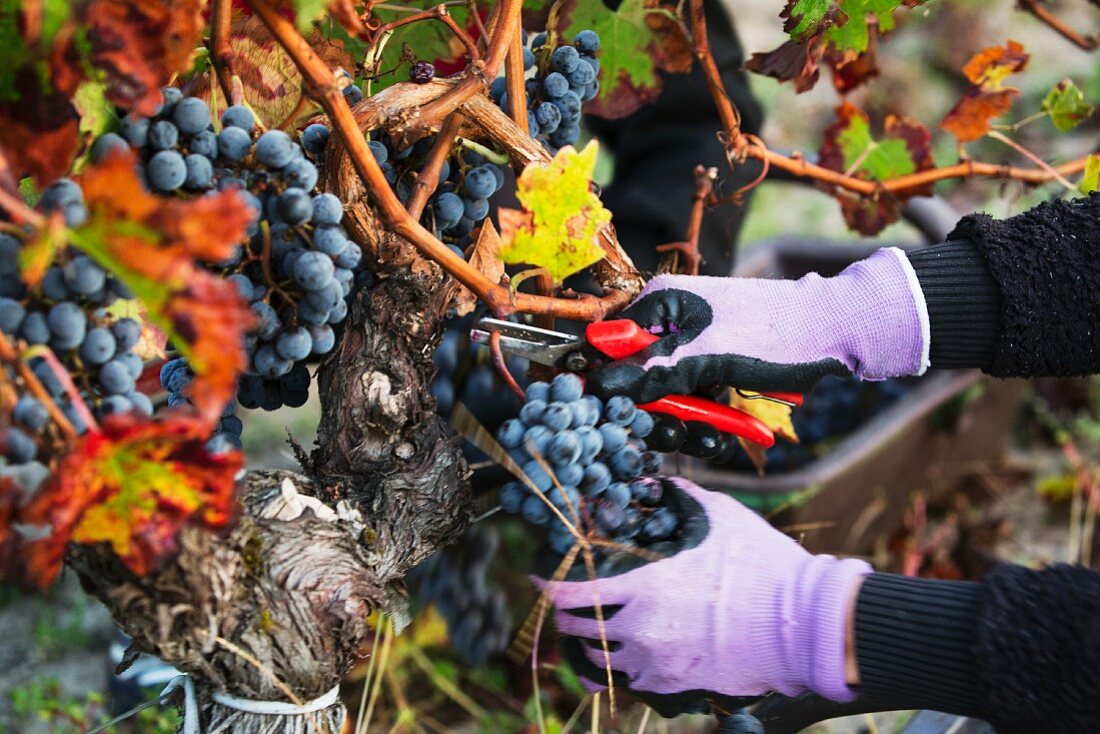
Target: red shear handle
{"x": 618, "y": 338}
{"x": 722, "y": 417}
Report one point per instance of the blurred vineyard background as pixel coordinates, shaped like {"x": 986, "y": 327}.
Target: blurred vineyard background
{"x": 1029, "y": 506}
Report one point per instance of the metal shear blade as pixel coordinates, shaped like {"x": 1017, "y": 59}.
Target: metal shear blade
{"x": 530, "y": 342}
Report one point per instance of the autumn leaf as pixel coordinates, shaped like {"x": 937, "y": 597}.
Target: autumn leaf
{"x": 773, "y": 414}
{"x": 154, "y": 245}
{"x": 270, "y": 80}
{"x": 1066, "y": 105}
{"x": 636, "y": 39}
{"x": 1090, "y": 181}
{"x": 561, "y": 216}
{"x": 486, "y": 259}
{"x": 987, "y": 97}
{"x": 134, "y": 485}
{"x": 850, "y": 148}
{"x": 40, "y": 130}
{"x": 841, "y": 33}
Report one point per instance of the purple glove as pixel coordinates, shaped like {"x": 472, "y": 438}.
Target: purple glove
{"x": 778, "y": 335}
{"x": 745, "y": 612}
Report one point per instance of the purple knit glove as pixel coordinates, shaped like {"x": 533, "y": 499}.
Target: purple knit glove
{"x": 744, "y": 612}
{"x": 778, "y": 335}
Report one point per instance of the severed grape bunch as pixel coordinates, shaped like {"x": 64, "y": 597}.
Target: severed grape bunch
{"x": 67, "y": 312}
{"x": 594, "y": 451}
{"x": 456, "y": 580}
{"x": 564, "y": 78}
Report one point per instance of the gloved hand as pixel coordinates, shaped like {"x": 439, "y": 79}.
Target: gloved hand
{"x": 774, "y": 335}
{"x": 744, "y": 612}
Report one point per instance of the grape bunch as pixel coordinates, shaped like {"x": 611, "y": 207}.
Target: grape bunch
{"x": 599, "y": 468}
{"x": 67, "y": 312}
{"x": 562, "y": 79}
{"x": 455, "y": 579}
{"x": 298, "y": 268}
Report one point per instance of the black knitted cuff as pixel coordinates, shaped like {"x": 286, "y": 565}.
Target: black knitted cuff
{"x": 1038, "y": 647}
{"x": 916, "y": 640}
{"x": 1044, "y": 263}
{"x": 964, "y": 303}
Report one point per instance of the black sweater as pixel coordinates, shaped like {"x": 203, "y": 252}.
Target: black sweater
{"x": 1021, "y": 649}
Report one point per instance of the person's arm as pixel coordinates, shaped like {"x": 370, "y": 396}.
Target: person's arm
{"x": 1016, "y": 297}
{"x": 1021, "y": 649}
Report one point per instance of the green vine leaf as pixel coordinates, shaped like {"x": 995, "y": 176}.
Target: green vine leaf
{"x": 1066, "y": 105}
{"x": 561, "y": 216}
{"x": 637, "y": 39}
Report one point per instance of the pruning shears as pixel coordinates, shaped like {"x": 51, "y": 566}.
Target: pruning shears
{"x": 616, "y": 339}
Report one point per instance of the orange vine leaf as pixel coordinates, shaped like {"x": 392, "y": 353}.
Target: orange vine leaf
{"x": 988, "y": 96}
{"x": 156, "y": 247}
{"x": 134, "y": 485}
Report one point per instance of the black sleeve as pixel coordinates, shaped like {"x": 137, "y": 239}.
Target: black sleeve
{"x": 1020, "y": 649}
{"x": 1018, "y": 297}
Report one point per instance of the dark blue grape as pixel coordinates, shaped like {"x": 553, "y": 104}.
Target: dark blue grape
{"x": 647, "y": 491}
{"x": 324, "y": 338}
{"x": 353, "y": 94}
{"x": 448, "y": 209}
{"x": 532, "y": 410}
{"x": 534, "y": 510}
{"x": 528, "y": 58}
{"x": 642, "y": 425}
{"x": 315, "y": 138}
{"x": 83, "y": 276}
{"x": 512, "y": 495}
{"x": 163, "y": 135}
{"x": 115, "y": 405}
{"x": 566, "y": 388}
{"x": 581, "y": 76}
{"x": 35, "y": 328}
{"x": 555, "y": 85}
{"x": 536, "y": 440}
{"x": 67, "y": 324}
{"x": 616, "y": 493}
{"x": 660, "y": 524}
{"x": 167, "y": 171}
{"x": 267, "y": 321}
{"x": 626, "y": 463}
{"x": 106, "y": 143}
{"x": 591, "y": 443}
{"x": 170, "y": 96}
{"x": 556, "y": 416}
{"x": 327, "y": 209}
{"x": 239, "y": 116}
{"x": 191, "y": 115}
{"x": 479, "y": 182}
{"x": 294, "y": 206}
{"x": 31, "y": 413}
{"x": 587, "y": 42}
{"x": 609, "y": 516}
{"x": 19, "y": 448}
{"x": 269, "y": 364}
{"x": 571, "y": 474}
{"x": 301, "y": 174}
{"x": 510, "y": 434}
{"x": 313, "y": 270}
{"x": 565, "y": 448}
{"x": 98, "y": 347}
{"x": 294, "y": 344}
{"x": 597, "y": 478}
{"x": 135, "y": 130}
{"x": 115, "y": 378}
{"x": 620, "y": 410}
{"x": 548, "y": 116}
{"x": 380, "y": 151}
{"x": 565, "y": 59}
{"x": 200, "y": 173}
{"x": 59, "y": 193}
{"x": 537, "y": 391}
{"x": 233, "y": 143}
{"x": 11, "y": 315}
{"x": 475, "y": 209}
{"x": 274, "y": 148}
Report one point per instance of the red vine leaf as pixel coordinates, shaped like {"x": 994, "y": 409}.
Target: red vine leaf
{"x": 40, "y": 129}
{"x": 987, "y": 97}
{"x": 849, "y": 147}
{"x": 155, "y": 245}
{"x": 269, "y": 78}
{"x": 134, "y": 484}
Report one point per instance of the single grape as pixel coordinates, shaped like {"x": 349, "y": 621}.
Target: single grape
{"x": 311, "y": 316}
{"x": 67, "y": 324}
{"x": 479, "y": 182}
{"x": 626, "y": 463}
{"x": 269, "y": 364}
{"x": 555, "y": 85}
{"x": 587, "y": 42}
{"x": 166, "y": 170}
{"x": 327, "y": 209}
{"x": 274, "y": 149}
{"x": 204, "y": 143}
{"x": 475, "y": 209}
{"x": 239, "y": 116}
{"x": 668, "y": 434}
{"x": 448, "y": 209}
{"x": 581, "y": 76}
{"x": 597, "y": 478}
{"x": 614, "y": 437}
{"x": 702, "y": 441}
{"x": 536, "y": 440}
{"x": 609, "y": 516}
{"x": 59, "y": 193}
{"x": 510, "y": 433}
{"x": 315, "y": 138}
{"x": 163, "y": 135}
{"x": 200, "y": 173}
{"x": 380, "y": 151}
{"x": 617, "y": 494}
{"x": 660, "y": 524}
{"x": 647, "y": 491}
{"x": 652, "y": 461}
{"x": 353, "y": 94}
{"x": 191, "y": 115}
{"x": 620, "y": 410}
{"x": 98, "y": 347}
{"x": 537, "y": 391}
{"x": 565, "y": 448}
{"x": 326, "y": 298}
{"x": 135, "y": 130}
{"x": 31, "y": 413}
{"x": 170, "y": 96}
{"x": 115, "y": 378}
{"x": 571, "y": 474}
{"x": 19, "y": 447}
{"x": 566, "y": 388}
{"x": 294, "y": 205}
{"x": 591, "y": 443}
{"x": 106, "y": 143}
{"x": 324, "y": 338}
{"x": 142, "y": 403}
{"x": 330, "y": 240}
{"x": 528, "y": 59}
{"x": 301, "y": 174}
{"x": 642, "y": 425}
{"x": 534, "y": 510}
{"x": 10, "y": 249}
{"x": 511, "y": 497}
{"x": 565, "y": 59}
{"x": 557, "y": 416}
{"x": 11, "y": 315}
{"x": 548, "y": 116}
{"x": 294, "y": 344}
{"x": 134, "y": 363}
{"x": 46, "y": 376}
{"x": 267, "y": 321}
{"x": 115, "y": 405}
{"x": 35, "y": 329}
{"x": 313, "y": 270}
{"x": 233, "y": 143}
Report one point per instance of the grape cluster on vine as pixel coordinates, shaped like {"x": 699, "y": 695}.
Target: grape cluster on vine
{"x": 68, "y": 313}
{"x": 455, "y": 579}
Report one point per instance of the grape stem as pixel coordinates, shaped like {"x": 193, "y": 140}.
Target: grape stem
{"x": 513, "y": 77}
{"x": 440, "y": 13}
{"x": 428, "y": 178}
{"x": 689, "y": 247}
{"x": 1085, "y": 43}
{"x": 10, "y": 354}
{"x": 501, "y": 159}
{"x": 221, "y": 50}
{"x": 741, "y": 147}
{"x": 467, "y": 93}
{"x": 502, "y": 367}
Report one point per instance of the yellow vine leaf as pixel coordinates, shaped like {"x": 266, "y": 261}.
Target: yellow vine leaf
{"x": 561, "y": 216}
{"x": 776, "y": 416}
